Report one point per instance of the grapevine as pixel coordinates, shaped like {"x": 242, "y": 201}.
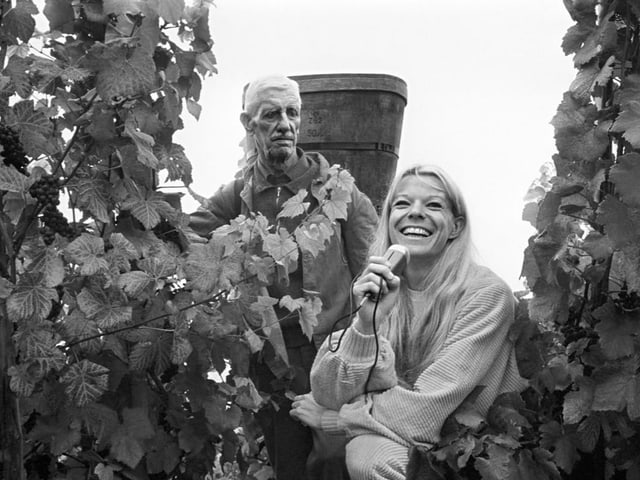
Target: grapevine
{"x": 12, "y": 152}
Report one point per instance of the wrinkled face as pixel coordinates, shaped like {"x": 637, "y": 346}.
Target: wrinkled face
{"x": 275, "y": 126}
{"x": 421, "y": 217}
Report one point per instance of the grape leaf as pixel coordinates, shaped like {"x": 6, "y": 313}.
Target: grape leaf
{"x": 170, "y": 10}
{"x": 598, "y": 246}
{"x": 617, "y": 221}
{"x": 105, "y": 472}
{"x": 335, "y": 207}
{"x": 628, "y": 122}
{"x": 60, "y": 15}
{"x": 21, "y": 381}
{"x": 133, "y": 283}
{"x": 18, "y": 22}
{"x": 17, "y": 69}
{"x": 48, "y": 264}
{"x": 6, "y": 287}
{"x": 147, "y": 208}
{"x": 575, "y": 37}
{"x": 88, "y": 251}
{"x": 11, "y": 180}
{"x": 247, "y": 394}
{"x": 625, "y": 174}
{"x": 220, "y": 415}
{"x": 92, "y": 194}
{"x": 588, "y": 433}
{"x": 176, "y": 162}
{"x": 313, "y": 234}
{"x": 602, "y": 38}
{"x": 254, "y": 341}
{"x": 30, "y": 299}
{"x": 144, "y": 144}
{"x": 577, "y": 404}
{"x": 616, "y": 331}
{"x": 77, "y": 326}
{"x": 181, "y": 349}
{"x": 40, "y": 346}
{"x": 85, "y": 382}
{"x": 136, "y": 423}
{"x": 611, "y": 385}
{"x": 100, "y": 308}
{"x": 309, "y": 315}
{"x": 295, "y": 205}
{"x": 123, "y": 70}
{"x": 633, "y": 398}
{"x": 282, "y": 249}
{"x": 34, "y": 127}
{"x": 126, "y": 449}
{"x": 142, "y": 356}
{"x": 122, "y": 252}
{"x": 564, "y": 449}
{"x": 202, "y": 266}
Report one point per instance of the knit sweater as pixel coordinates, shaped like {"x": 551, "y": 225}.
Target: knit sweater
{"x": 476, "y": 352}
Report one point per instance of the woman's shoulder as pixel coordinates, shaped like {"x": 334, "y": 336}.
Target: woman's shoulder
{"x": 483, "y": 279}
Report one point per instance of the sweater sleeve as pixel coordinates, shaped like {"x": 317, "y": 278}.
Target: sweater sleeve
{"x": 479, "y": 336}
{"x": 339, "y": 373}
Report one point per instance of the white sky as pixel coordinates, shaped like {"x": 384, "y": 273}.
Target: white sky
{"x": 484, "y": 80}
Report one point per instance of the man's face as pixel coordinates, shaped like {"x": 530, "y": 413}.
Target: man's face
{"x": 275, "y": 127}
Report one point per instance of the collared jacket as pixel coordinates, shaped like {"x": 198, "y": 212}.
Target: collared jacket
{"x": 330, "y": 273}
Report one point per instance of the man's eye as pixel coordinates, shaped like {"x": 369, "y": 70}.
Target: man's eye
{"x": 293, "y": 113}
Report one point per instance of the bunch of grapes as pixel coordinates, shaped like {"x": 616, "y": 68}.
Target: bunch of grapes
{"x": 12, "y": 151}
{"x": 628, "y": 301}
{"x": 573, "y": 333}
{"x": 47, "y": 192}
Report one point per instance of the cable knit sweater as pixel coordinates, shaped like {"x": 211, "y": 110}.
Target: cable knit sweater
{"x": 477, "y": 351}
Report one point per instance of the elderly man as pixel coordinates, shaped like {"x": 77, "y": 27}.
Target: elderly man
{"x": 276, "y": 170}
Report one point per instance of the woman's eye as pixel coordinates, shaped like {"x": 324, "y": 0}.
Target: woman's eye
{"x": 400, "y": 203}
{"x": 435, "y": 205}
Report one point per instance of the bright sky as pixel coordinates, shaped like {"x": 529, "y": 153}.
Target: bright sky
{"x": 484, "y": 80}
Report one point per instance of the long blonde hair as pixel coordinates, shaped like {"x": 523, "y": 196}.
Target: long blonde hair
{"x": 416, "y": 341}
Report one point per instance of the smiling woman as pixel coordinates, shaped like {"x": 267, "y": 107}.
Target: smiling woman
{"x": 443, "y": 325}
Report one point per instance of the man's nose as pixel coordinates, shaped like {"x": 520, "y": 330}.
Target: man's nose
{"x": 283, "y": 122}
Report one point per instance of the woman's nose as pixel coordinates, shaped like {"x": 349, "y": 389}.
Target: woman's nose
{"x": 416, "y": 210}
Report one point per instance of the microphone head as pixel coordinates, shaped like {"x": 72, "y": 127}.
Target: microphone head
{"x": 398, "y": 257}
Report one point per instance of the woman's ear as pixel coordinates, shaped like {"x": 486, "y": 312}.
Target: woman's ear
{"x": 458, "y": 226}
{"x": 245, "y": 119}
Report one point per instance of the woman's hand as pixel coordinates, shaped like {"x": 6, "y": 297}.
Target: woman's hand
{"x": 307, "y": 411}
{"x": 376, "y": 279}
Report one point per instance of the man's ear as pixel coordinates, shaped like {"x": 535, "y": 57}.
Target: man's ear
{"x": 458, "y": 226}
{"x": 245, "y": 119}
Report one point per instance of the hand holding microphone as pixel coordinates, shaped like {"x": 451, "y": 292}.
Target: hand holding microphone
{"x": 376, "y": 289}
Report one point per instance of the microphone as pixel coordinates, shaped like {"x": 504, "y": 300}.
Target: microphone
{"x": 398, "y": 257}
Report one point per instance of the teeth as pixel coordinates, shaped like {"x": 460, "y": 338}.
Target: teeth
{"x": 415, "y": 231}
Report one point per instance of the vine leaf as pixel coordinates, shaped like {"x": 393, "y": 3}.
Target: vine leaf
{"x": 181, "y": 349}
{"x": 176, "y": 163}
{"x": 282, "y": 249}
{"x": 144, "y": 144}
{"x": 123, "y": 71}
{"x": 611, "y": 386}
{"x": 616, "y": 219}
{"x": 312, "y": 235}
{"x": 626, "y": 176}
{"x": 48, "y": 263}
{"x": 565, "y": 452}
{"x": 35, "y": 128}
{"x": 335, "y": 207}
{"x": 106, "y": 472}
{"x": 148, "y": 208}
{"x": 18, "y": 22}
{"x": 577, "y": 404}
{"x": 76, "y": 326}
{"x": 133, "y": 283}
{"x": 202, "y": 267}
{"x": 295, "y": 206}
{"x": 170, "y": 10}
{"x": 11, "y": 180}
{"x": 6, "y": 287}
{"x": 60, "y": 15}
{"x": 88, "y": 252}
{"x": 85, "y": 382}
{"x": 40, "y": 347}
{"x": 309, "y": 315}
{"x": 628, "y": 122}
{"x": 92, "y": 195}
{"x": 616, "y": 331}
{"x": 499, "y": 466}
{"x": 21, "y": 381}
{"x": 30, "y": 299}
{"x": 105, "y": 313}
{"x": 122, "y": 252}
{"x": 17, "y": 69}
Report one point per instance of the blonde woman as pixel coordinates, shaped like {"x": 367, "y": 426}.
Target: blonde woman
{"x": 440, "y": 330}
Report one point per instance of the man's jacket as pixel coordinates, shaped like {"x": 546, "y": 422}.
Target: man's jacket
{"x": 330, "y": 273}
